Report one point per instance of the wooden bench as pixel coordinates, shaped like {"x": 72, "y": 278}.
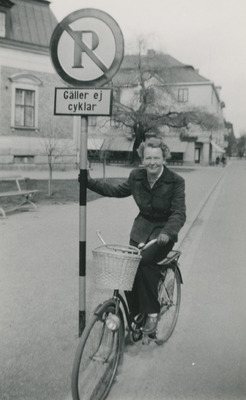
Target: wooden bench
{"x": 26, "y": 193}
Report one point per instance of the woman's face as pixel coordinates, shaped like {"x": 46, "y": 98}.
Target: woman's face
{"x": 153, "y": 160}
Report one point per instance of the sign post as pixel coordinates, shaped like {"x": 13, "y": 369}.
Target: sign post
{"x": 82, "y": 222}
{"x": 86, "y": 49}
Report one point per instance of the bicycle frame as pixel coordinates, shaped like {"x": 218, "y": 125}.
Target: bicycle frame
{"x": 101, "y": 346}
{"x": 126, "y": 310}
{"x": 172, "y": 257}
{"x": 117, "y": 299}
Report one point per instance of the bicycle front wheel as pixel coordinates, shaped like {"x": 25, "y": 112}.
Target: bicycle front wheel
{"x": 169, "y": 294}
{"x": 98, "y": 355}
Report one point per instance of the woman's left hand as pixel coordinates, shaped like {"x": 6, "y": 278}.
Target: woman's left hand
{"x": 162, "y": 239}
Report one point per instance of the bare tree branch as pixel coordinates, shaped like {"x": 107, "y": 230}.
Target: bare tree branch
{"x": 155, "y": 103}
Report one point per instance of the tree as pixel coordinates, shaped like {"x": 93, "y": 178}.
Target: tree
{"x": 230, "y": 138}
{"x": 153, "y": 104}
{"x": 241, "y": 144}
{"x": 54, "y": 147}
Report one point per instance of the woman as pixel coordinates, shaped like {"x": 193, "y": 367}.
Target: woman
{"x": 160, "y": 196}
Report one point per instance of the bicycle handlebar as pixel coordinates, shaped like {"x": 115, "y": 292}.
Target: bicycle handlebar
{"x": 143, "y": 246}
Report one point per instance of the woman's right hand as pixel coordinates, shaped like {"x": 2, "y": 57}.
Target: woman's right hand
{"x": 163, "y": 239}
{"x": 88, "y": 176}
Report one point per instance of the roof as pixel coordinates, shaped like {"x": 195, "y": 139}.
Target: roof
{"x": 6, "y": 3}
{"x": 165, "y": 67}
{"x": 32, "y": 22}
{"x": 150, "y": 60}
{"x": 182, "y": 74}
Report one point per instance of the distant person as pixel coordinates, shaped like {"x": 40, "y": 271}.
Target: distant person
{"x": 223, "y": 160}
{"x": 160, "y": 197}
{"x": 217, "y": 161}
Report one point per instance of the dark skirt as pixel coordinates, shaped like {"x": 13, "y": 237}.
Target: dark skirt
{"x": 144, "y": 295}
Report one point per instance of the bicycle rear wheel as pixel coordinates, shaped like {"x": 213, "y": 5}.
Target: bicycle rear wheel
{"x": 169, "y": 294}
{"x": 98, "y": 355}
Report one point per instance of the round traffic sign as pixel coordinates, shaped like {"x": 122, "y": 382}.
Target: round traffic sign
{"x": 87, "y": 48}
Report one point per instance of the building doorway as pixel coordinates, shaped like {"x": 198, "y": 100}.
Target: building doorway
{"x": 197, "y": 155}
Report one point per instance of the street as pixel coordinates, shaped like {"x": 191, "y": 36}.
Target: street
{"x": 204, "y": 359}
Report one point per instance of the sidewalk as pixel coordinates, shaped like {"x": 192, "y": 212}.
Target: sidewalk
{"x": 96, "y": 171}
{"x": 39, "y": 282}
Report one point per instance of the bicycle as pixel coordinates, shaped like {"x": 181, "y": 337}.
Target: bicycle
{"x": 101, "y": 345}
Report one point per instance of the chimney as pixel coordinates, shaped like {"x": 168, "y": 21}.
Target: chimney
{"x": 151, "y": 53}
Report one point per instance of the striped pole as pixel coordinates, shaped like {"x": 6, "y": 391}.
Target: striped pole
{"x": 82, "y": 222}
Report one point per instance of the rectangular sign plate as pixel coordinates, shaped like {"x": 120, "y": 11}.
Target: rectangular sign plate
{"x": 79, "y": 101}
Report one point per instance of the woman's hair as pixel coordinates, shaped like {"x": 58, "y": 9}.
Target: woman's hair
{"x": 154, "y": 143}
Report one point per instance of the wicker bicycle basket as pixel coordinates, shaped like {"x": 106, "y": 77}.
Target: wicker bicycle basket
{"x": 116, "y": 266}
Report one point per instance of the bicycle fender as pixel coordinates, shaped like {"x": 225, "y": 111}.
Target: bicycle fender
{"x": 99, "y": 306}
{"x": 179, "y": 273}
{"x": 175, "y": 265}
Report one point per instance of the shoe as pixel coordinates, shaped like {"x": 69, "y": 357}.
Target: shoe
{"x": 150, "y": 325}
{"x": 153, "y": 336}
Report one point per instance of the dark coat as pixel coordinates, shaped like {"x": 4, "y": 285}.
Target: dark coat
{"x": 162, "y": 208}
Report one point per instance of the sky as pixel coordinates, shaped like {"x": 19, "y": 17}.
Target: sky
{"x": 210, "y": 35}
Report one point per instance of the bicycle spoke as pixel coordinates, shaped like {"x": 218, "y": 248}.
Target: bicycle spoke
{"x": 169, "y": 298}
{"x": 96, "y": 359}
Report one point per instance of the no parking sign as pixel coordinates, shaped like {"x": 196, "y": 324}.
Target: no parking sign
{"x": 87, "y": 49}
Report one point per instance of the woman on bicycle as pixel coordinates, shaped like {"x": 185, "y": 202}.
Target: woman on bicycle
{"x": 160, "y": 196}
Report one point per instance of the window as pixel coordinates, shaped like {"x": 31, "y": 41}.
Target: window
{"x": 183, "y": 95}
{"x": 24, "y": 159}
{"x": 25, "y": 108}
{"x": 2, "y": 24}
{"x": 177, "y": 156}
{"x": 24, "y": 105}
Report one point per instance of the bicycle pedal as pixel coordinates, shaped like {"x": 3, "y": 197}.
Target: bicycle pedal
{"x": 145, "y": 340}
{"x": 152, "y": 338}
{"x": 148, "y": 338}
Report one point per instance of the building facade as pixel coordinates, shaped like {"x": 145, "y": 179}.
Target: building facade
{"x": 29, "y": 130}
{"x": 178, "y": 88}
{"x": 27, "y": 82}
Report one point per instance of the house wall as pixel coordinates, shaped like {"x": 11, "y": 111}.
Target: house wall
{"x": 24, "y": 59}
{"x": 189, "y": 154}
{"x": 205, "y": 160}
{"x": 202, "y": 95}
{"x": 45, "y": 101}
{"x": 15, "y": 141}
{"x": 32, "y": 152}
{"x": 199, "y": 95}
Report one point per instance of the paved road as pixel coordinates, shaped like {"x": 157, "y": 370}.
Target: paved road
{"x": 39, "y": 291}
{"x": 206, "y": 357}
